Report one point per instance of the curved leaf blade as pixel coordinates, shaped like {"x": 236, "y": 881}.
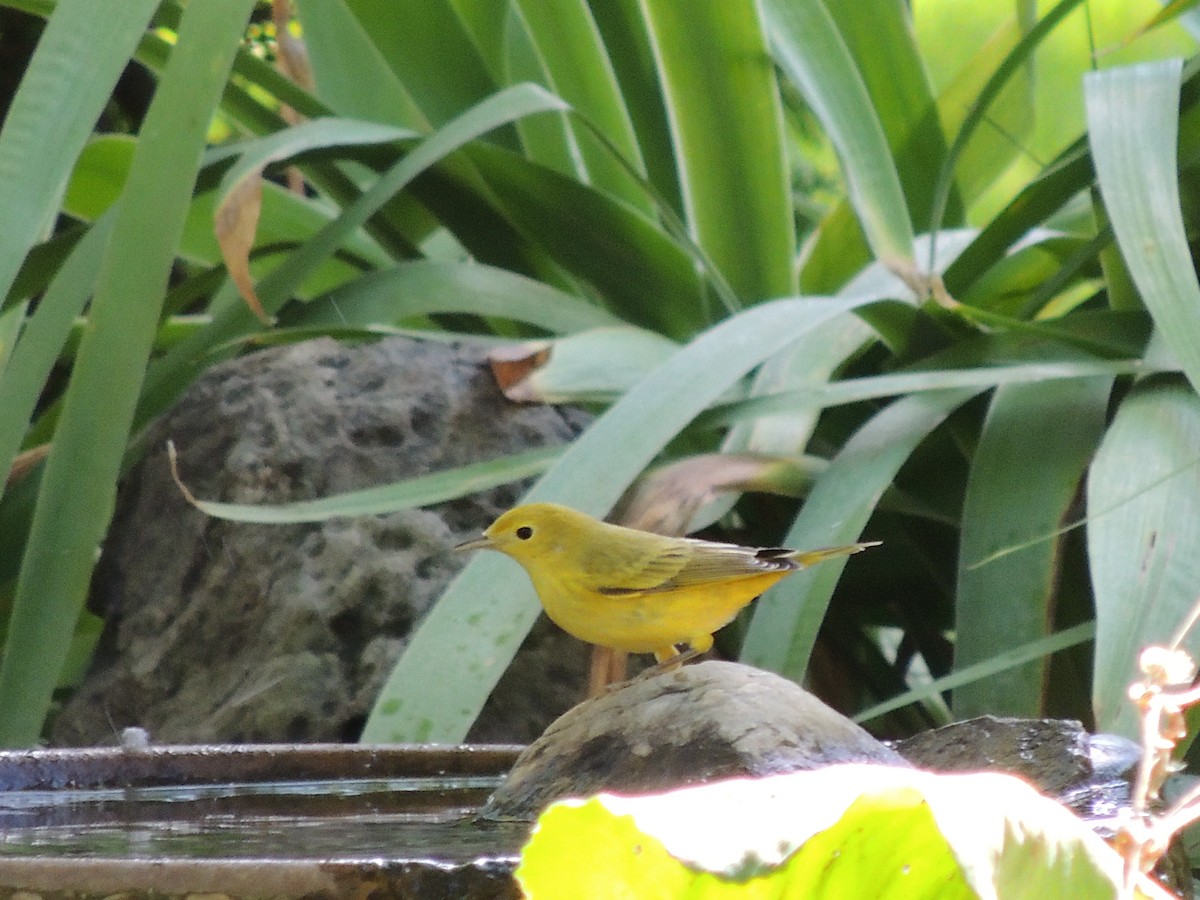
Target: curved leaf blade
{"x": 1143, "y": 538}
{"x": 727, "y": 125}
{"x": 807, "y": 44}
{"x": 1020, "y": 488}
{"x": 787, "y": 618}
{"x": 1133, "y": 129}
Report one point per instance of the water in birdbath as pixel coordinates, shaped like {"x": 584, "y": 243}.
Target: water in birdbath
{"x": 255, "y": 820}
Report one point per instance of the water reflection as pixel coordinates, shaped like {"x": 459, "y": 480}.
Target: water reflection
{"x": 343, "y": 819}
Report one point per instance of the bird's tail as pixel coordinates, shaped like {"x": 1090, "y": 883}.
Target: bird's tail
{"x": 806, "y": 558}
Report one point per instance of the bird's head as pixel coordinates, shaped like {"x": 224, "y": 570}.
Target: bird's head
{"x": 528, "y": 531}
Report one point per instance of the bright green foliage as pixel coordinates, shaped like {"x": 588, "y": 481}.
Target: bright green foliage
{"x": 717, "y": 217}
{"x": 842, "y": 832}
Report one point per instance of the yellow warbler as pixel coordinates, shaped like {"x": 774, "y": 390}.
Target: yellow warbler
{"x": 633, "y": 590}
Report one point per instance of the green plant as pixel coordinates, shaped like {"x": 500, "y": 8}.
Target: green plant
{"x": 908, "y": 331}
{"x": 843, "y": 831}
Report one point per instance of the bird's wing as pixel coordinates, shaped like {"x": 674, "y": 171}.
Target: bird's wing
{"x": 681, "y": 564}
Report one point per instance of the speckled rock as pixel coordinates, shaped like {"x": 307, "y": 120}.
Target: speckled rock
{"x": 701, "y": 723}
{"x": 224, "y": 632}
{"x": 1051, "y": 753}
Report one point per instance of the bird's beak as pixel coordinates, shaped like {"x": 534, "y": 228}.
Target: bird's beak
{"x": 483, "y": 542}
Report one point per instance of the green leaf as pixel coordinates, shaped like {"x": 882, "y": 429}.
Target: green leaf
{"x": 881, "y": 37}
{"x": 806, "y": 42}
{"x": 572, "y": 54}
{"x": 436, "y": 488}
{"x": 231, "y": 320}
{"x": 1000, "y": 662}
{"x": 1133, "y": 128}
{"x": 287, "y": 219}
{"x": 981, "y": 103}
{"x": 345, "y": 59}
{"x": 851, "y": 831}
{"x": 1143, "y": 537}
{"x": 786, "y": 618}
{"x": 874, "y": 387}
{"x": 1019, "y": 491}
{"x": 625, "y": 256}
{"x": 415, "y": 39}
{"x": 726, "y": 122}
{"x": 40, "y": 345}
{"x": 78, "y": 60}
{"x": 422, "y": 287}
{"x": 79, "y": 483}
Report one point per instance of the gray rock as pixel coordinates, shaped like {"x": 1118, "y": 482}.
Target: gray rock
{"x": 700, "y": 723}
{"x": 1091, "y": 774}
{"x": 226, "y": 632}
{"x": 1051, "y": 753}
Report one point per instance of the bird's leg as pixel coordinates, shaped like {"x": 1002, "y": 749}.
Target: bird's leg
{"x": 672, "y": 658}
{"x": 608, "y": 669}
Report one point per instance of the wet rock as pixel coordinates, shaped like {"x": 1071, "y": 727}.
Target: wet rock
{"x": 1090, "y": 774}
{"x": 224, "y": 632}
{"x": 1053, "y": 754}
{"x": 701, "y": 723}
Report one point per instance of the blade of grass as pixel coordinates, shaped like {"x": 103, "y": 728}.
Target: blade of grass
{"x": 979, "y": 108}
{"x": 573, "y": 56}
{"x": 345, "y": 58}
{"x": 435, "y": 488}
{"x": 425, "y": 286}
{"x": 79, "y": 483}
{"x": 414, "y": 39}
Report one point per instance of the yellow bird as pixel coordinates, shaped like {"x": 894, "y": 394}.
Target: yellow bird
{"x": 633, "y": 590}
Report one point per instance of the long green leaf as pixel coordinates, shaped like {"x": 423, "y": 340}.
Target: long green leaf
{"x": 807, "y": 44}
{"x": 425, "y": 286}
{"x": 41, "y": 343}
{"x": 442, "y": 679}
{"x": 79, "y": 484}
{"x": 881, "y": 37}
{"x": 727, "y": 125}
{"x": 352, "y": 76}
{"x": 1143, "y": 538}
{"x": 629, "y": 259}
{"x": 993, "y": 665}
{"x": 874, "y": 387}
{"x": 628, "y": 47}
{"x": 977, "y": 114}
{"x": 1036, "y": 442}
{"x": 415, "y": 39}
{"x": 1133, "y": 128}
{"x": 569, "y": 47}
{"x": 423, "y": 491}
{"x": 287, "y": 219}
{"x": 81, "y": 54}
{"x": 786, "y": 619}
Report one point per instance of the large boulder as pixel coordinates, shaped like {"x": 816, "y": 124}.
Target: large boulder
{"x": 217, "y": 631}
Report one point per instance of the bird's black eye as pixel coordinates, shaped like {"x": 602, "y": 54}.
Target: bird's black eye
{"x": 524, "y": 533}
